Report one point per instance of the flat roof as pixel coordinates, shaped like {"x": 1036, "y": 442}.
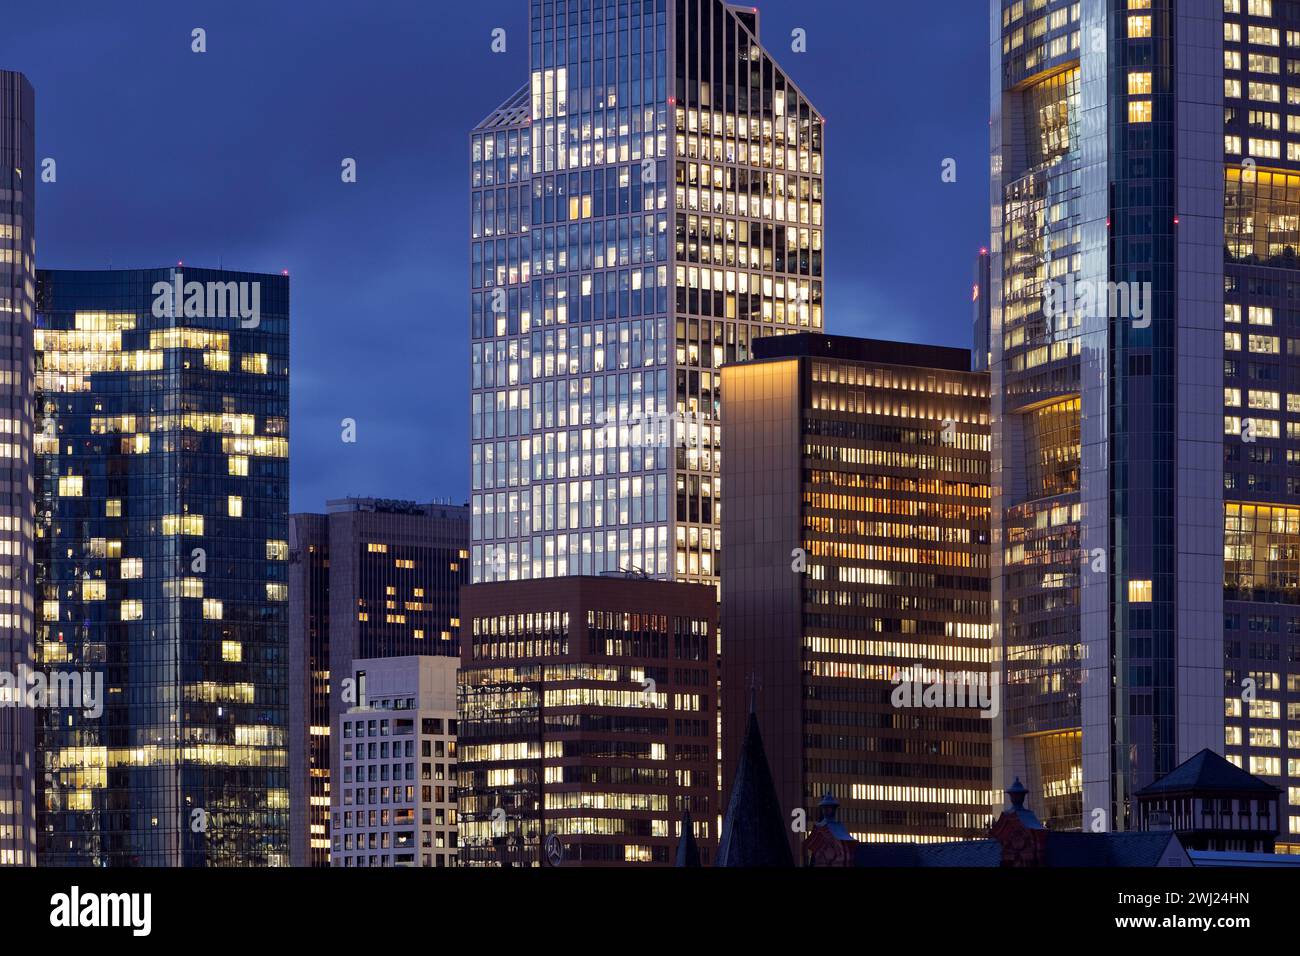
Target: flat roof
{"x": 854, "y": 349}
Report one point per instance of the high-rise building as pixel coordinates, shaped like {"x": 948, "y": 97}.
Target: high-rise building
{"x": 18, "y": 175}
{"x": 646, "y": 206}
{"x": 1108, "y": 361}
{"x": 394, "y": 802}
{"x": 980, "y": 313}
{"x": 162, "y": 565}
{"x": 372, "y": 578}
{"x": 310, "y": 753}
{"x": 855, "y": 601}
{"x": 588, "y": 721}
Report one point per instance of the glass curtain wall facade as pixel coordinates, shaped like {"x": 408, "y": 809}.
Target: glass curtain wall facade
{"x": 162, "y": 565}
{"x": 648, "y": 204}
{"x": 18, "y": 175}
{"x": 1107, "y": 286}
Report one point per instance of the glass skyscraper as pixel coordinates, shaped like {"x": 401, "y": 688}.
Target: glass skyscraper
{"x": 18, "y": 175}
{"x": 647, "y": 205}
{"x": 1146, "y": 566}
{"x": 162, "y": 565}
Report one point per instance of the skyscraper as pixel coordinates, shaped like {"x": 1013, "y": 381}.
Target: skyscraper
{"x": 162, "y": 565}
{"x": 372, "y": 578}
{"x": 855, "y": 598}
{"x": 980, "y": 313}
{"x": 646, "y": 206}
{"x": 18, "y": 175}
{"x": 1107, "y": 309}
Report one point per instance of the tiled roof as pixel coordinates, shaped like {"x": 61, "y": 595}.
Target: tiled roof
{"x": 1208, "y": 771}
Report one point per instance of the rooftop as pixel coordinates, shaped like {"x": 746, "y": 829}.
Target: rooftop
{"x": 853, "y": 349}
{"x": 1207, "y": 771}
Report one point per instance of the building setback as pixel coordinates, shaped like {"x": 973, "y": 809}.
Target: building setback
{"x": 18, "y": 175}
{"x": 587, "y": 715}
{"x": 372, "y": 578}
{"x": 856, "y": 548}
{"x": 395, "y": 750}
{"x": 162, "y": 565}
{"x": 647, "y": 205}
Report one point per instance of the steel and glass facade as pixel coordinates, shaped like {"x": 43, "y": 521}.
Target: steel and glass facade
{"x": 857, "y": 532}
{"x": 18, "y": 174}
{"x": 648, "y": 204}
{"x": 1107, "y": 303}
{"x": 162, "y": 565}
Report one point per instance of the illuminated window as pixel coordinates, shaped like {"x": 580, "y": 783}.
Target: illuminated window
{"x": 235, "y": 506}
{"x": 182, "y": 524}
{"x": 113, "y": 508}
{"x": 277, "y": 592}
{"x": 70, "y": 486}
{"x": 212, "y": 609}
{"x": 1139, "y": 592}
{"x": 132, "y": 567}
{"x": 237, "y": 465}
{"x": 93, "y": 590}
{"x": 1139, "y": 111}
{"x": 1139, "y": 83}
{"x": 232, "y": 651}
{"x": 132, "y": 610}
{"x": 375, "y": 548}
{"x": 277, "y": 550}
{"x": 1139, "y": 26}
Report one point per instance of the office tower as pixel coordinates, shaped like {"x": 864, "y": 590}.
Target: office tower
{"x": 384, "y": 812}
{"x": 1261, "y": 475}
{"x": 643, "y": 208}
{"x": 18, "y": 174}
{"x": 1107, "y": 335}
{"x": 372, "y": 578}
{"x": 309, "y": 700}
{"x": 980, "y": 313}
{"x": 587, "y": 721}
{"x": 162, "y": 565}
{"x": 855, "y": 600}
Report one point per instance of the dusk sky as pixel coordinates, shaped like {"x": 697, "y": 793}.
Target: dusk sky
{"x": 232, "y": 158}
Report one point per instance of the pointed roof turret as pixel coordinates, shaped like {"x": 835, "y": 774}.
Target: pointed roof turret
{"x": 753, "y": 830}
{"x": 688, "y": 851}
